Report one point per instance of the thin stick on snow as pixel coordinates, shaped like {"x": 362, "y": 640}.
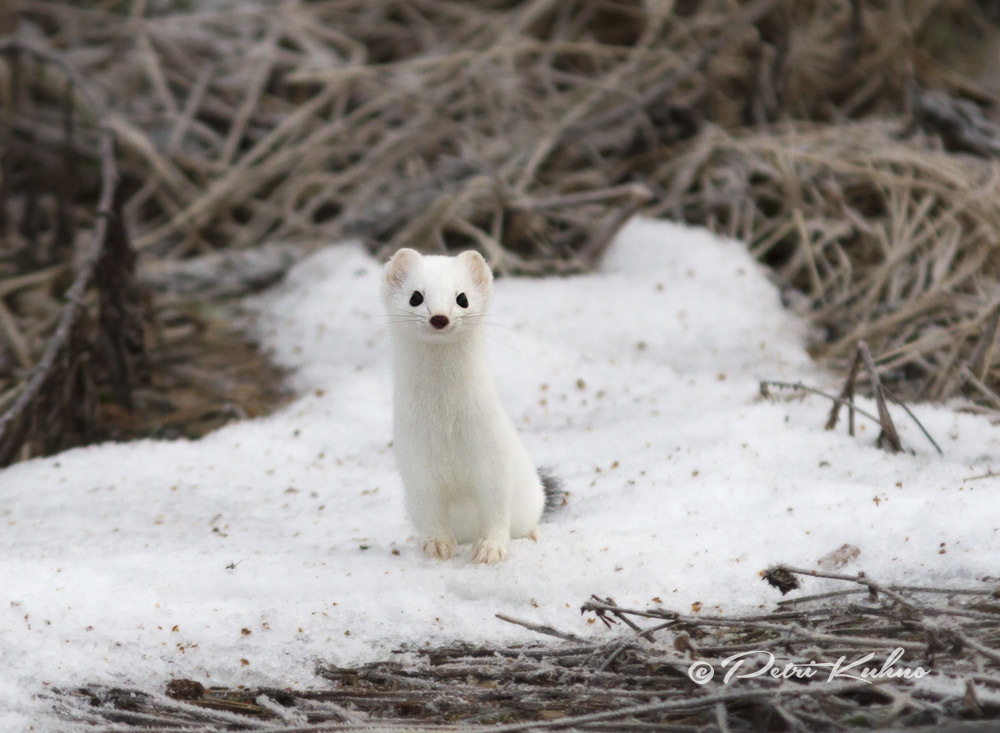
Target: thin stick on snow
{"x": 847, "y": 394}
{"x": 547, "y": 630}
{"x": 765, "y": 383}
{"x": 889, "y": 437}
{"x": 913, "y": 417}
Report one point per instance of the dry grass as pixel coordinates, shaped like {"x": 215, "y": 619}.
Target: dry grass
{"x": 639, "y": 678}
{"x": 891, "y": 240}
{"x": 89, "y": 355}
{"x": 849, "y": 142}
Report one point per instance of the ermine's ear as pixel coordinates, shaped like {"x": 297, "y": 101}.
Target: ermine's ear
{"x": 481, "y": 274}
{"x": 400, "y": 265}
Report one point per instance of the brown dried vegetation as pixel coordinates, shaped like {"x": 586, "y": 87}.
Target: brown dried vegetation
{"x": 851, "y": 144}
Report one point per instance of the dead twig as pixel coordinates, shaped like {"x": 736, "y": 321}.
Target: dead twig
{"x": 541, "y": 629}
{"x": 846, "y": 397}
{"x": 799, "y": 386}
{"x": 888, "y": 438}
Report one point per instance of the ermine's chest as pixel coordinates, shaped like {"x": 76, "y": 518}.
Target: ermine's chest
{"x": 446, "y": 415}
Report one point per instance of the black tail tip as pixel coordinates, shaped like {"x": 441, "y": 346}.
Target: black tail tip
{"x": 555, "y": 494}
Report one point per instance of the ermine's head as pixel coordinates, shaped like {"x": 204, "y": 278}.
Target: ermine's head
{"x": 432, "y": 297}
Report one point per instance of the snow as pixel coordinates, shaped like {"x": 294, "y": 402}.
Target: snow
{"x": 249, "y": 555}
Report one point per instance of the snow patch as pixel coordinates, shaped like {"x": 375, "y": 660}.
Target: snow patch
{"x": 249, "y": 555}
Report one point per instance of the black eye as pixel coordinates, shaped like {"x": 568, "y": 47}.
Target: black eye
{"x": 416, "y": 299}
{"x": 462, "y": 300}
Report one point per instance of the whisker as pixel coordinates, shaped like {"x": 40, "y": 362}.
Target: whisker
{"x": 494, "y": 324}
{"x": 503, "y": 343}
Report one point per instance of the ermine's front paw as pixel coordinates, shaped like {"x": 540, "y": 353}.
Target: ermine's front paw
{"x": 489, "y": 552}
{"x": 440, "y": 547}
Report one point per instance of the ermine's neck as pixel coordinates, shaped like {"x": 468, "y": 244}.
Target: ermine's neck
{"x": 425, "y": 365}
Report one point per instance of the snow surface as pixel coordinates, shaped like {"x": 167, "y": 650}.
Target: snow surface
{"x": 248, "y": 555}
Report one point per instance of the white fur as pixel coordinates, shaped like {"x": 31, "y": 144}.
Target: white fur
{"x": 466, "y": 473}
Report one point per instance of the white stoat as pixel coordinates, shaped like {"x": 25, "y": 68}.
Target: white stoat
{"x": 466, "y": 473}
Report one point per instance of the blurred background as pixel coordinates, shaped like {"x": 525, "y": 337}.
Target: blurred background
{"x": 161, "y": 159}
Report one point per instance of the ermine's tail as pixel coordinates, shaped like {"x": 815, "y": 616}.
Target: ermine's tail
{"x": 555, "y": 495}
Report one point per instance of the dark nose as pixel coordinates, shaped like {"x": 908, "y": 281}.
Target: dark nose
{"x": 439, "y": 322}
